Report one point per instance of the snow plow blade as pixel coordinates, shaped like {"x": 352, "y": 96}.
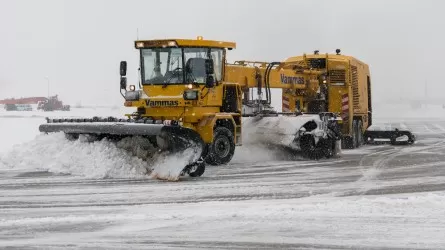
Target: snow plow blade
{"x": 393, "y": 135}
{"x": 314, "y": 136}
{"x": 166, "y": 135}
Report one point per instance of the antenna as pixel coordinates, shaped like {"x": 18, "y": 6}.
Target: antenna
{"x": 137, "y": 33}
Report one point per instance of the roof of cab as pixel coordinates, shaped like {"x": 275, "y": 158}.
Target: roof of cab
{"x": 186, "y": 43}
{"x": 331, "y": 56}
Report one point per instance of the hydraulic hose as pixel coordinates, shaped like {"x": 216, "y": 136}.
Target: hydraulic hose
{"x": 267, "y": 81}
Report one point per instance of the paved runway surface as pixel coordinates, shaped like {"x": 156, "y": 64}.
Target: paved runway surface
{"x": 379, "y": 196}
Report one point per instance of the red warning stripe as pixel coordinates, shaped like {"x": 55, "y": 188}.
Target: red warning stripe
{"x": 285, "y": 104}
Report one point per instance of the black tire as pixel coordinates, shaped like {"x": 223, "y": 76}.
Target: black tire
{"x": 200, "y": 169}
{"x": 354, "y": 134}
{"x": 368, "y": 140}
{"x": 222, "y": 149}
{"x": 360, "y": 136}
{"x": 346, "y": 142}
{"x": 393, "y": 140}
{"x": 411, "y": 140}
{"x": 71, "y": 137}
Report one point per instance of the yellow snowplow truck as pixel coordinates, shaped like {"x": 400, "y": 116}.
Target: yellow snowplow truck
{"x": 181, "y": 102}
{"x": 188, "y": 97}
{"x": 184, "y": 100}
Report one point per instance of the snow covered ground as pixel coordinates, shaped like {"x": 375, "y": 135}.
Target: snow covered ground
{"x": 56, "y": 194}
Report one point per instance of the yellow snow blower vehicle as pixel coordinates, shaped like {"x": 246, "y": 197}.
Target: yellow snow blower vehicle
{"x": 181, "y": 102}
{"x": 335, "y": 87}
{"x": 188, "y": 97}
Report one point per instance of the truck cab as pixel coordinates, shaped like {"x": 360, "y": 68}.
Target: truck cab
{"x": 182, "y": 82}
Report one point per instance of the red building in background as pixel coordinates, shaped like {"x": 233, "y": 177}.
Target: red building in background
{"x": 43, "y": 103}
{"x": 26, "y": 100}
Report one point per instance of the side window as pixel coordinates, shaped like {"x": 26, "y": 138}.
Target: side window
{"x": 195, "y": 63}
{"x": 217, "y": 55}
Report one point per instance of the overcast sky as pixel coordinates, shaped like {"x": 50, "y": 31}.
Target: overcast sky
{"x": 78, "y": 44}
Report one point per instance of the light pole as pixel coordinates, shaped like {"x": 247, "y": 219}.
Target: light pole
{"x": 47, "y": 79}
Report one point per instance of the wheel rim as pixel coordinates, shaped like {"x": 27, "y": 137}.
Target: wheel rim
{"x": 222, "y": 147}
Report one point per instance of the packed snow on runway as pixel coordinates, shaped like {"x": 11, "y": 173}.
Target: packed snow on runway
{"x": 59, "y": 194}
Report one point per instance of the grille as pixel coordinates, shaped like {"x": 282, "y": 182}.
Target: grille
{"x": 317, "y": 63}
{"x": 355, "y": 92}
{"x": 337, "y": 77}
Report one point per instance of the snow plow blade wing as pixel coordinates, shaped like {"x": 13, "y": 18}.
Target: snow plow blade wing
{"x": 173, "y": 136}
{"x": 103, "y": 128}
{"x": 392, "y": 135}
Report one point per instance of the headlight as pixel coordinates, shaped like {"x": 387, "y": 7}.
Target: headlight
{"x": 132, "y": 88}
{"x": 172, "y": 44}
{"x": 191, "y": 95}
{"x": 139, "y": 44}
{"x": 132, "y": 95}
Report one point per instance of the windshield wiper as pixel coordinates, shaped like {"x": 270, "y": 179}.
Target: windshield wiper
{"x": 175, "y": 73}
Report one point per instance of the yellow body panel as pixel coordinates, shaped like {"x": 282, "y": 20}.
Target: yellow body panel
{"x": 167, "y": 103}
{"x": 281, "y": 77}
{"x": 175, "y": 93}
{"x": 354, "y": 85}
{"x": 208, "y": 122}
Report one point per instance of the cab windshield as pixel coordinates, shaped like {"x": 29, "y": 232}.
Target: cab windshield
{"x": 179, "y": 65}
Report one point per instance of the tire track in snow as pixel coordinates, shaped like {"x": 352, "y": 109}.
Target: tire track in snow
{"x": 380, "y": 160}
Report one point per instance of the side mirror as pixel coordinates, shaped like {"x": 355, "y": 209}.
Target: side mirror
{"x": 209, "y": 67}
{"x": 123, "y": 83}
{"x": 210, "y": 81}
{"x": 123, "y": 68}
